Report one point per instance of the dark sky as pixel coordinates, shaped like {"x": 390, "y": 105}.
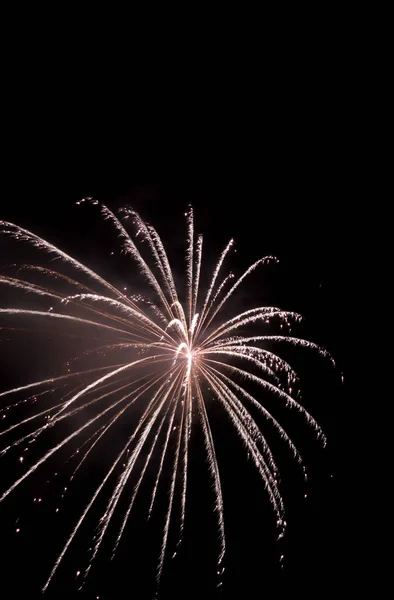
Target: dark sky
{"x": 295, "y": 213}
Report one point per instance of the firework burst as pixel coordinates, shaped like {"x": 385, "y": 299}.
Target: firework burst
{"x": 172, "y": 349}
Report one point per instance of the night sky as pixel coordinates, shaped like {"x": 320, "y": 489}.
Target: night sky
{"x": 295, "y": 215}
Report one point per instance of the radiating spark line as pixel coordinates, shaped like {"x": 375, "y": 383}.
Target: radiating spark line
{"x": 243, "y": 414}
{"x": 151, "y": 325}
{"x": 158, "y": 252}
{"x": 213, "y": 281}
{"x": 274, "y": 359}
{"x": 23, "y": 234}
{"x": 163, "y": 454}
{"x": 52, "y": 315}
{"x": 22, "y": 388}
{"x": 130, "y": 439}
{"x": 58, "y": 416}
{"x": 34, "y": 397}
{"x": 248, "y": 271}
{"x": 219, "y": 290}
{"x": 71, "y": 537}
{"x": 41, "y": 291}
{"x": 53, "y": 450}
{"x": 238, "y": 317}
{"x": 238, "y": 353}
{"x": 27, "y": 420}
{"x": 180, "y": 327}
{"x": 185, "y": 458}
{"x": 189, "y": 261}
{"x": 213, "y": 466}
{"x": 131, "y": 248}
{"x": 55, "y": 275}
{"x": 292, "y": 341}
{"x": 238, "y": 322}
{"x": 263, "y": 410}
{"x": 193, "y": 325}
{"x": 257, "y": 457}
{"x": 106, "y": 427}
{"x": 277, "y": 392}
{"x": 144, "y": 388}
{"x": 181, "y": 315}
{"x": 28, "y": 287}
{"x": 253, "y": 433}
{"x": 197, "y": 271}
{"x": 105, "y": 520}
{"x": 107, "y": 376}
{"x": 167, "y": 273}
{"x": 170, "y": 503}
{"x": 140, "y": 479}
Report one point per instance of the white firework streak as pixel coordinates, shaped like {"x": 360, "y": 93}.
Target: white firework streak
{"x": 105, "y": 520}
{"x": 129, "y": 441}
{"x": 197, "y": 271}
{"x": 156, "y": 247}
{"x": 25, "y": 235}
{"x": 171, "y": 501}
{"x": 131, "y": 249}
{"x": 213, "y": 466}
{"x": 137, "y": 486}
{"x": 189, "y": 261}
{"x": 185, "y": 456}
{"x": 163, "y": 454}
{"x": 263, "y": 410}
{"x": 105, "y": 428}
{"x": 166, "y": 358}
{"x": 241, "y": 427}
{"x": 213, "y": 281}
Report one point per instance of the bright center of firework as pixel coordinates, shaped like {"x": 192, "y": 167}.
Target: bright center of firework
{"x": 189, "y": 355}
{"x": 187, "y": 352}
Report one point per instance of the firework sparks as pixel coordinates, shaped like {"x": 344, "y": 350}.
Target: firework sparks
{"x": 180, "y": 351}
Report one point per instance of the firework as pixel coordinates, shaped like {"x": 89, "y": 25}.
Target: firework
{"x": 172, "y": 347}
